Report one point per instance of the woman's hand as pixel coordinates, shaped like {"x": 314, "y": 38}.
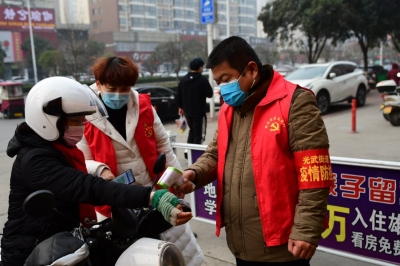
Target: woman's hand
{"x": 183, "y": 217}
{"x": 107, "y": 175}
{"x": 188, "y": 185}
{"x": 168, "y": 205}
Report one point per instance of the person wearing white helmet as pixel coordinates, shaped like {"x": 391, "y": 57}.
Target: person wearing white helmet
{"x": 47, "y": 159}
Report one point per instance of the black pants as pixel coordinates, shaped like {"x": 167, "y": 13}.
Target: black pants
{"x": 240, "y": 262}
{"x": 195, "y": 124}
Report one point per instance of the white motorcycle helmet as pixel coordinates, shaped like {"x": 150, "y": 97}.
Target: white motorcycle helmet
{"x": 59, "y": 97}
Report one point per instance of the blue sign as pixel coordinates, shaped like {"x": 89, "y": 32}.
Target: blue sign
{"x": 207, "y": 11}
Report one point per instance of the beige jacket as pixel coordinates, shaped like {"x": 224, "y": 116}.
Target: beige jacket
{"x": 129, "y": 157}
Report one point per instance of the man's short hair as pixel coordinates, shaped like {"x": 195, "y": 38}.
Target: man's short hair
{"x": 236, "y": 52}
{"x": 196, "y": 63}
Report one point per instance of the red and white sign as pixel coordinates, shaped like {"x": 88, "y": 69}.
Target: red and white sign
{"x": 16, "y": 18}
{"x": 11, "y": 43}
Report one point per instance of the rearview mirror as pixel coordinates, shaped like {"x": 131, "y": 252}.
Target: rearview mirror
{"x": 398, "y": 74}
{"x": 39, "y": 204}
{"x": 159, "y": 165}
{"x": 332, "y": 75}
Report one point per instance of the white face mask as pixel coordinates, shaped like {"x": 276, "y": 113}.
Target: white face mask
{"x": 73, "y": 134}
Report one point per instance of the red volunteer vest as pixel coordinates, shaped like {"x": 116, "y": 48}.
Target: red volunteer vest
{"x": 103, "y": 150}
{"x": 279, "y": 174}
{"x": 77, "y": 160}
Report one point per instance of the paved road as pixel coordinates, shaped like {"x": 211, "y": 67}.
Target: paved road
{"x": 375, "y": 139}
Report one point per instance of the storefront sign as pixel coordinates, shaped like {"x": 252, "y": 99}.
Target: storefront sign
{"x": 16, "y": 18}
{"x": 11, "y": 44}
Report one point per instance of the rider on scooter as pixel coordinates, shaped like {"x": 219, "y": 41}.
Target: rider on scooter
{"x": 47, "y": 158}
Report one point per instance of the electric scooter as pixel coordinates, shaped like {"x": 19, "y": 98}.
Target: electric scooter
{"x": 129, "y": 237}
{"x": 390, "y": 93}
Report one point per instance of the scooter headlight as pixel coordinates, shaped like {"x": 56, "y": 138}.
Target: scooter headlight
{"x": 148, "y": 251}
{"x": 172, "y": 256}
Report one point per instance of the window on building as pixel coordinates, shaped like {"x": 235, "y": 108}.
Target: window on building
{"x": 178, "y": 25}
{"x": 122, "y": 8}
{"x": 101, "y": 24}
{"x": 221, "y": 7}
{"x": 100, "y": 10}
{"x": 189, "y": 3}
{"x": 150, "y": 11}
{"x": 94, "y": 11}
{"x": 179, "y": 13}
{"x": 95, "y": 24}
{"x": 190, "y": 25}
{"x": 137, "y": 9}
{"x": 137, "y": 22}
{"x": 123, "y": 21}
{"x": 93, "y": 1}
{"x": 189, "y": 14}
{"x": 151, "y": 23}
{"x": 164, "y": 13}
{"x": 178, "y": 3}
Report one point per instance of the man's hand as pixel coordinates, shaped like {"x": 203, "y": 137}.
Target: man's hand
{"x": 180, "y": 111}
{"x": 107, "y": 175}
{"x": 187, "y": 187}
{"x": 301, "y": 249}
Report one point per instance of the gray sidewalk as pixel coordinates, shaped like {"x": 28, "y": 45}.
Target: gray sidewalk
{"x": 375, "y": 139}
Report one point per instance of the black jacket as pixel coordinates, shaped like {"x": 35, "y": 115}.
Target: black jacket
{"x": 38, "y": 166}
{"x": 192, "y": 92}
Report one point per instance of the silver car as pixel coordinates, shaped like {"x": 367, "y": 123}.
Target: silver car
{"x": 332, "y": 82}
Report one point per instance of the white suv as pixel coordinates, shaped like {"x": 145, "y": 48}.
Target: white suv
{"x": 332, "y": 82}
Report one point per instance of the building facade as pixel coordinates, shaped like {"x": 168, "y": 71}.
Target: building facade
{"x": 172, "y": 16}
{"x": 136, "y": 27}
{"x": 14, "y": 31}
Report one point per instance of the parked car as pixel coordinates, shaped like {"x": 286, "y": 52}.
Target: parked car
{"x": 284, "y": 69}
{"x": 163, "y": 99}
{"x": 161, "y": 74}
{"x": 145, "y": 74}
{"x": 181, "y": 73}
{"x": 332, "y": 82}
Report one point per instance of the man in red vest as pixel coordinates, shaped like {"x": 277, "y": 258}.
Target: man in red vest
{"x": 270, "y": 158}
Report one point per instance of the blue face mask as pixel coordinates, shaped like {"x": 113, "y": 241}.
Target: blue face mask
{"x": 115, "y": 100}
{"x": 231, "y": 92}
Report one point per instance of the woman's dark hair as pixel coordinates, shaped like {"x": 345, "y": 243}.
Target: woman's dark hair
{"x": 115, "y": 71}
{"x": 235, "y": 51}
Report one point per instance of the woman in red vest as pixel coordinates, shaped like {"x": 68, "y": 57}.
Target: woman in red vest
{"x": 130, "y": 138}
{"x": 47, "y": 159}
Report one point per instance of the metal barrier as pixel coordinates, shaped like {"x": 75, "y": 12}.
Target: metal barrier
{"x": 363, "y": 207}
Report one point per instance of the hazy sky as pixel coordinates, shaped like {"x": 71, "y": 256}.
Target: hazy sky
{"x": 261, "y": 4}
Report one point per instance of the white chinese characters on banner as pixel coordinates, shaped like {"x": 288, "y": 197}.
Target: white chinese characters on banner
{"x": 47, "y": 16}
{"x": 9, "y": 14}
{"x": 210, "y": 204}
{"x": 379, "y": 221}
{"x": 36, "y": 16}
{"x": 210, "y": 191}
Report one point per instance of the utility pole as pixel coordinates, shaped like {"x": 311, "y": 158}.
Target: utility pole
{"x": 32, "y": 42}
{"x": 210, "y": 35}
